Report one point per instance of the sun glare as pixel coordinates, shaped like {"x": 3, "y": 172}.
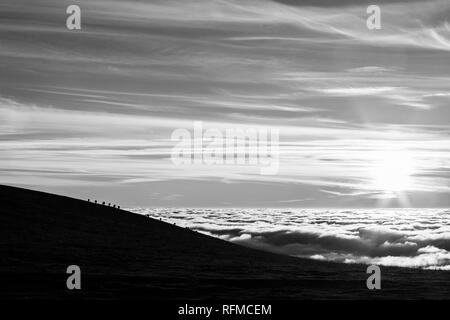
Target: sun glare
{"x": 393, "y": 171}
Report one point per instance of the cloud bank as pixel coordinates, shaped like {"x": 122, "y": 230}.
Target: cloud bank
{"x": 416, "y": 238}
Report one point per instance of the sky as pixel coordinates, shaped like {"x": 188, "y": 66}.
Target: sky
{"x": 363, "y": 115}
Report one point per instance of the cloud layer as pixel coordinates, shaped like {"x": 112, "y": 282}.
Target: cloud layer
{"x": 417, "y": 238}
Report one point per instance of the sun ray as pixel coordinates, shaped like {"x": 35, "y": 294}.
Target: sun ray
{"x": 393, "y": 174}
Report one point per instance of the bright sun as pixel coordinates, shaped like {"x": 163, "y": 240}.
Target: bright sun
{"x": 393, "y": 171}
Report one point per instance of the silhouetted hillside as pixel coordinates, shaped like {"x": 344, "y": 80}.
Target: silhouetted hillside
{"x": 124, "y": 255}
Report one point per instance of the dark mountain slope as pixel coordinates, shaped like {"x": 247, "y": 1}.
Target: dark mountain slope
{"x": 124, "y": 255}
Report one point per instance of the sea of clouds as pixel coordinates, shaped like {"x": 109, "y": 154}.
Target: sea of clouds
{"x": 416, "y": 238}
